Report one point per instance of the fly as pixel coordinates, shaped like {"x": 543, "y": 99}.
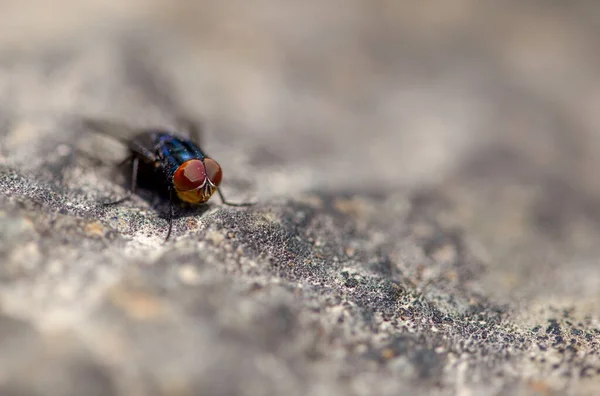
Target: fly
{"x": 172, "y": 164}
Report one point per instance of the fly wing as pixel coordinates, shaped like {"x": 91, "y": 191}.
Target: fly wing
{"x": 193, "y": 128}
{"x": 136, "y": 140}
{"x": 113, "y": 129}
{"x": 144, "y": 145}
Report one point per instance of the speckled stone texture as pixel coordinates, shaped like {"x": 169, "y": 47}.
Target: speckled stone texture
{"x": 428, "y": 205}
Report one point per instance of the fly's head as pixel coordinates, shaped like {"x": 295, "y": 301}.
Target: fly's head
{"x": 196, "y": 180}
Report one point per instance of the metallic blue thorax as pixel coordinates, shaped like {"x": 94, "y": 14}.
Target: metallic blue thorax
{"x": 164, "y": 152}
{"x": 172, "y": 151}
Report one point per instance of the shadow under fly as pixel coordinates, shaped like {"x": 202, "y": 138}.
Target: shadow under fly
{"x": 168, "y": 164}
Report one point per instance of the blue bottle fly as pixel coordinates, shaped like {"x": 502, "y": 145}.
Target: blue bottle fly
{"x": 172, "y": 164}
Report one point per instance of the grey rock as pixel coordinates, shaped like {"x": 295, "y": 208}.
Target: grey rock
{"x": 427, "y": 217}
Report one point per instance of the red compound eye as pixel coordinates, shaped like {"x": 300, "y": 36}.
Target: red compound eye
{"x": 190, "y": 175}
{"x": 213, "y": 171}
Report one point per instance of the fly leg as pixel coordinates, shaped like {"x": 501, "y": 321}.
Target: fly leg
{"x": 170, "y": 214}
{"x": 135, "y": 162}
{"x": 225, "y": 202}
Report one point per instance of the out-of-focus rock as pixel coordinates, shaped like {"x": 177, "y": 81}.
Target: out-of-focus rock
{"x": 427, "y": 219}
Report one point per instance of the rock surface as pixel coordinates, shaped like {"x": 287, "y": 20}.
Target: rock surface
{"x": 428, "y": 217}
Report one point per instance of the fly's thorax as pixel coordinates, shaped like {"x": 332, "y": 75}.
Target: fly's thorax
{"x": 177, "y": 150}
{"x": 196, "y": 180}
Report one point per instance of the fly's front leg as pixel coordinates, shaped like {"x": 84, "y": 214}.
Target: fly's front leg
{"x": 225, "y": 202}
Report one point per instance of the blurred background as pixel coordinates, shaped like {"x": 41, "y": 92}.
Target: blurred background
{"x": 474, "y": 123}
{"x": 373, "y": 92}
{"x": 495, "y": 104}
